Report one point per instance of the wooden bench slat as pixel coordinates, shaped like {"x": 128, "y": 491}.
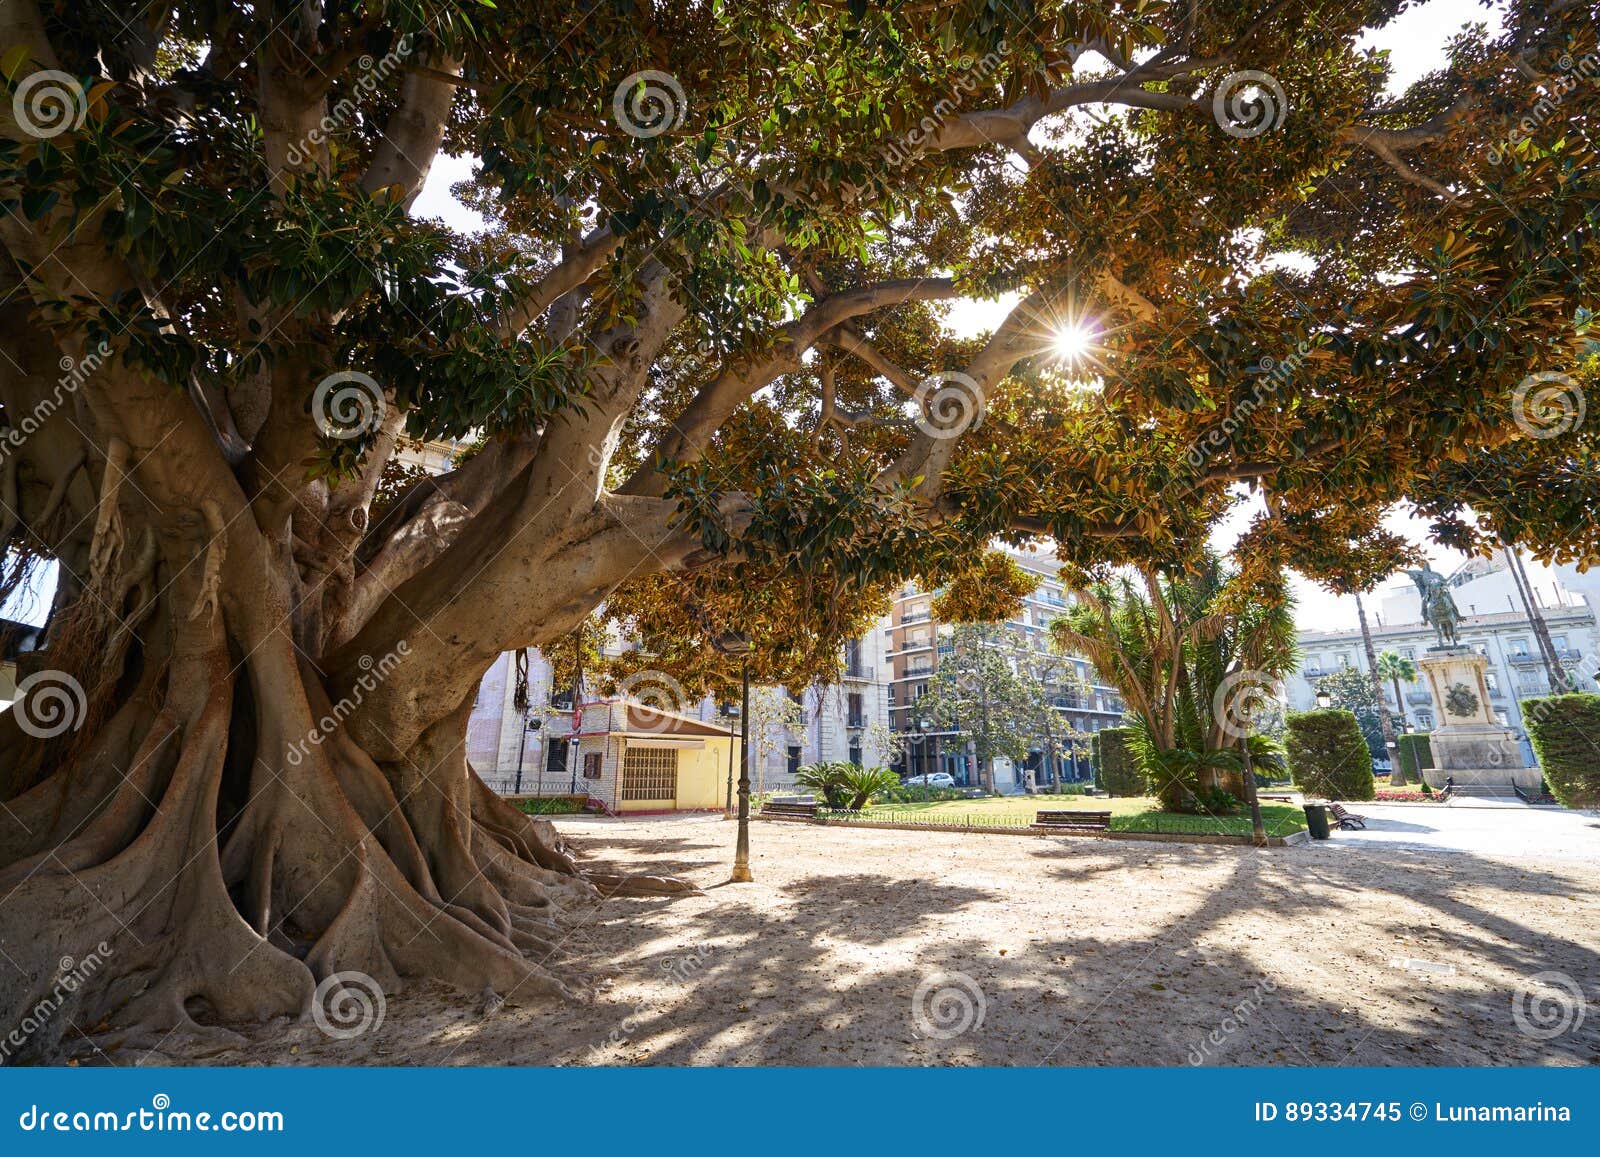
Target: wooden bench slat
{"x": 1073, "y": 820}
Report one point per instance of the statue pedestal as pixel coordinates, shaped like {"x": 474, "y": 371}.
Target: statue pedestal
{"x": 1470, "y": 745}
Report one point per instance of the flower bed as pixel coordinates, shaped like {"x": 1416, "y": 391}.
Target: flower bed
{"x": 1402, "y": 797}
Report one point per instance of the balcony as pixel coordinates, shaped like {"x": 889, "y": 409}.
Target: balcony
{"x": 859, "y": 673}
{"x": 856, "y": 722}
{"x": 915, "y": 617}
{"x": 1419, "y": 698}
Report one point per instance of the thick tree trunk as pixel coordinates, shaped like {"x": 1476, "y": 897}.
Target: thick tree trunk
{"x": 217, "y": 841}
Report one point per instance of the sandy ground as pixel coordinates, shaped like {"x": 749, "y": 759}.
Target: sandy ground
{"x": 917, "y": 948}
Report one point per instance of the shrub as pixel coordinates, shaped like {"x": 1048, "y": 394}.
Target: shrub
{"x": 1115, "y": 770}
{"x": 1069, "y": 788}
{"x": 1563, "y": 730}
{"x": 1188, "y": 781}
{"x": 919, "y": 793}
{"x": 862, "y": 784}
{"x": 1414, "y": 753}
{"x": 1328, "y": 756}
{"x": 554, "y": 805}
{"x": 827, "y": 779}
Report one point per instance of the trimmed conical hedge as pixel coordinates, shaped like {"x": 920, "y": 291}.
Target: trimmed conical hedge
{"x": 1565, "y": 730}
{"x": 1328, "y": 757}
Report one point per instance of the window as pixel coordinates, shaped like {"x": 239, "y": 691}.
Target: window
{"x": 1408, "y": 652}
{"x": 1519, "y": 647}
{"x": 794, "y": 758}
{"x": 853, "y": 711}
{"x": 591, "y": 765}
{"x": 650, "y": 773}
{"x": 855, "y": 752}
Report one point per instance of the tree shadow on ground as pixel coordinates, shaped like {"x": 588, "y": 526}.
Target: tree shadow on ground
{"x": 1061, "y": 953}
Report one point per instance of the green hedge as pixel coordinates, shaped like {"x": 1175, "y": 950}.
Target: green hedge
{"x": 1116, "y": 771}
{"x": 1328, "y": 756}
{"x": 1565, "y": 730}
{"x": 1414, "y": 753}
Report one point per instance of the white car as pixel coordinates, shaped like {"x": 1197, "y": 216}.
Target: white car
{"x": 937, "y": 779}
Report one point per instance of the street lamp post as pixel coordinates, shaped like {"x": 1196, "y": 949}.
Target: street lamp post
{"x": 727, "y": 803}
{"x": 522, "y": 751}
{"x": 738, "y": 644}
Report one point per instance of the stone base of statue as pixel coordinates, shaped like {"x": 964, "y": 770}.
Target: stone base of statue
{"x": 1470, "y": 745}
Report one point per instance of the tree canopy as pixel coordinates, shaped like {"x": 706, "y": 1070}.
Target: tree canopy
{"x": 702, "y": 345}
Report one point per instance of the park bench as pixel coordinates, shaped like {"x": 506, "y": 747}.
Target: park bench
{"x": 1072, "y": 821}
{"x": 789, "y": 810}
{"x": 1346, "y": 819}
{"x": 1274, "y": 798}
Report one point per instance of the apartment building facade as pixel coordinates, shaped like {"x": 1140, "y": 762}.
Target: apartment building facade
{"x": 1083, "y": 702}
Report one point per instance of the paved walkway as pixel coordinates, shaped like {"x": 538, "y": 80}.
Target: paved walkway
{"x": 1482, "y": 827}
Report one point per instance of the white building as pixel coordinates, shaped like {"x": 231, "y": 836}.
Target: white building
{"x": 1493, "y": 623}
{"x": 847, "y": 721}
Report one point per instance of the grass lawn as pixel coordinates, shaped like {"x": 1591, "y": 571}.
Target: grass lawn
{"x": 1135, "y": 814}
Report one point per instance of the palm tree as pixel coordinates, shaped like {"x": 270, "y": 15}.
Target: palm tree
{"x": 1182, "y": 646}
{"x": 1384, "y": 722}
{"x": 1397, "y": 669}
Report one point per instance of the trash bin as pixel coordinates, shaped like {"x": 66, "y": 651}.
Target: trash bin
{"x": 1317, "y": 820}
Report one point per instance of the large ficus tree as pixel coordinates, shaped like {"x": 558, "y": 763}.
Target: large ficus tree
{"x": 701, "y": 342}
